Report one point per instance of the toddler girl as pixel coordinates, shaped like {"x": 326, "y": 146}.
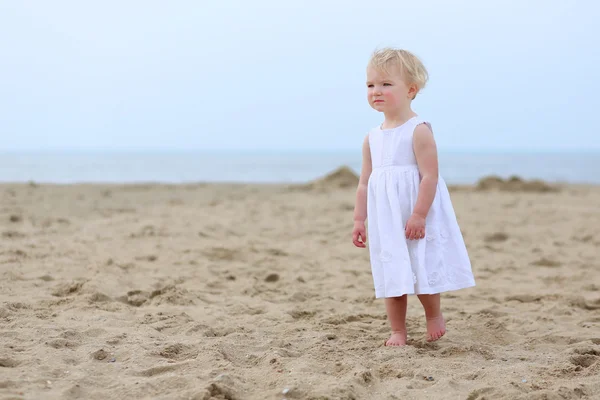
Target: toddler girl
{"x": 415, "y": 243}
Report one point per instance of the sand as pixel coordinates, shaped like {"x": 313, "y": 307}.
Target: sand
{"x": 214, "y": 291}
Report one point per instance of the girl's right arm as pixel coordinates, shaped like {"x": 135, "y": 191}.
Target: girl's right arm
{"x": 359, "y": 236}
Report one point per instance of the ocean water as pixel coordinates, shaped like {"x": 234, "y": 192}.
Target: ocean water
{"x": 286, "y": 167}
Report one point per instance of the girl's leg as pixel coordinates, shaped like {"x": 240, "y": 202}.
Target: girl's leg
{"x": 396, "y": 311}
{"x": 436, "y": 327}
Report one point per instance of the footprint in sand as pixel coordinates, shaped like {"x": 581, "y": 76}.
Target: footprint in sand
{"x": 66, "y": 289}
{"x": 8, "y": 363}
{"x": 272, "y": 277}
{"x": 524, "y": 298}
{"x": 302, "y": 314}
{"x": 4, "y": 313}
{"x": 587, "y": 351}
{"x": 98, "y": 297}
{"x": 100, "y": 355}
{"x": 178, "y": 352}
{"x": 159, "y": 370}
{"x": 62, "y": 344}
{"x": 116, "y": 339}
{"x": 173, "y": 295}
{"x": 214, "y": 332}
{"x": 582, "y": 303}
{"x": 168, "y": 322}
{"x": 134, "y": 298}
{"x": 218, "y": 390}
{"x": 545, "y": 262}
{"x": 149, "y": 258}
{"x": 277, "y": 252}
{"x": 13, "y": 235}
{"x": 584, "y": 360}
{"x": 483, "y": 393}
{"x": 496, "y": 237}
{"x": 223, "y": 254}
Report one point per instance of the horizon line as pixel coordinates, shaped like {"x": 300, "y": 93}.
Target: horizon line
{"x": 287, "y": 151}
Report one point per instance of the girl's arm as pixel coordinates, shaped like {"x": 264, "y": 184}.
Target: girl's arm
{"x": 427, "y": 160}
{"x": 360, "y": 208}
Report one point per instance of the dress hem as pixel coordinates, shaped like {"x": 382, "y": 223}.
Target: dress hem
{"x": 431, "y": 290}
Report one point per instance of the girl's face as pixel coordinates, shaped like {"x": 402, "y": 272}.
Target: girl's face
{"x": 387, "y": 92}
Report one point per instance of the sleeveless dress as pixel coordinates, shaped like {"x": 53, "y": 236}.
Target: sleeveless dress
{"x": 437, "y": 263}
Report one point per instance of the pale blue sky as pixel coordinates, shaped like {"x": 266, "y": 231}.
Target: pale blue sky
{"x": 266, "y": 74}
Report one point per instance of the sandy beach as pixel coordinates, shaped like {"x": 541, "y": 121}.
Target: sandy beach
{"x": 223, "y": 291}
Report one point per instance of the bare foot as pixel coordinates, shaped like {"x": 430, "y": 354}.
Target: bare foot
{"x": 436, "y": 328}
{"x": 397, "y": 339}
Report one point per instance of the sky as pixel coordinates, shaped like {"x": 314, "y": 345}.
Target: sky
{"x": 290, "y": 75}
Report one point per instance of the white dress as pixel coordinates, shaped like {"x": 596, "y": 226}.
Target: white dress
{"x": 400, "y": 266}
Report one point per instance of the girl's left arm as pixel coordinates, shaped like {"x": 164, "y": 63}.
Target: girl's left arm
{"x": 426, "y": 154}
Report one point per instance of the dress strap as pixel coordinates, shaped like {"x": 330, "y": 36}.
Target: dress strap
{"x": 419, "y": 121}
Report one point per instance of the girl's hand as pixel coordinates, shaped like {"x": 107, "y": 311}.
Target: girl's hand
{"x": 359, "y": 234}
{"x": 415, "y": 227}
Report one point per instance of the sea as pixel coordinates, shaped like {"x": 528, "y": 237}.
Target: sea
{"x": 456, "y": 167}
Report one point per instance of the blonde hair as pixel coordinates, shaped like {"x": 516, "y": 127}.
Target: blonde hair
{"x": 411, "y": 68}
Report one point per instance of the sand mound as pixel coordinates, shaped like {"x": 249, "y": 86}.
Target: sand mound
{"x": 341, "y": 178}
{"x": 514, "y": 184}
